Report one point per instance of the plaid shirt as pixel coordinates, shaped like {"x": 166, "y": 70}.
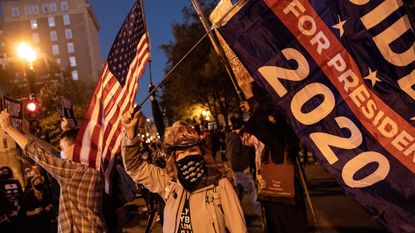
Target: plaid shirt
{"x": 81, "y": 191}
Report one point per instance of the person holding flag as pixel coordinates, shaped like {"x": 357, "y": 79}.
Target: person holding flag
{"x": 198, "y": 192}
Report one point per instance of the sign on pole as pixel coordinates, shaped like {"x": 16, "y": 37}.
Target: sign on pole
{"x": 15, "y": 108}
{"x": 67, "y": 111}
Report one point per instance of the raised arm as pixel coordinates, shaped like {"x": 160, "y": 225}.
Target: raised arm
{"x": 6, "y": 125}
{"x": 58, "y": 168}
{"x": 152, "y": 177}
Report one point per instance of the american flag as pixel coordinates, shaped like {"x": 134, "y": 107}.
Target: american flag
{"x": 100, "y": 136}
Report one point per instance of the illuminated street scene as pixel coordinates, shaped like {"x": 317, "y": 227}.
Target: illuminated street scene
{"x": 217, "y": 116}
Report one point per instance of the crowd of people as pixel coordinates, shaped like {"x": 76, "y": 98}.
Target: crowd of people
{"x": 195, "y": 180}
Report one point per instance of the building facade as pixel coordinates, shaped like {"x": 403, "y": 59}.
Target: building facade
{"x": 64, "y": 33}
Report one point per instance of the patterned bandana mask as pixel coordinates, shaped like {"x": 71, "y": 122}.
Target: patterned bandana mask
{"x": 191, "y": 170}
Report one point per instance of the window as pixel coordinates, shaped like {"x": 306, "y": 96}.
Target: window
{"x": 51, "y": 21}
{"x": 72, "y": 61}
{"x": 52, "y": 7}
{"x": 68, "y": 33}
{"x": 33, "y": 23}
{"x": 27, "y": 10}
{"x": 53, "y": 36}
{"x": 58, "y": 61}
{"x": 15, "y": 11}
{"x": 35, "y": 37}
{"x": 70, "y": 47}
{"x": 64, "y": 6}
{"x": 74, "y": 75}
{"x": 55, "y": 49}
{"x": 35, "y": 9}
{"x": 45, "y": 8}
{"x": 66, "y": 20}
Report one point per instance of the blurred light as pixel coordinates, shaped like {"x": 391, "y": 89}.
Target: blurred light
{"x": 31, "y": 106}
{"x": 148, "y": 119}
{"x": 25, "y": 52}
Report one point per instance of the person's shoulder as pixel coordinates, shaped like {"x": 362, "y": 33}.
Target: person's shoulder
{"x": 224, "y": 182}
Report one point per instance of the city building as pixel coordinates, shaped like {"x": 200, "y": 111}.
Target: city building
{"x": 64, "y": 34}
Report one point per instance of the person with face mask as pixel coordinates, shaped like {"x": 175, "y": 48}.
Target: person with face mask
{"x": 37, "y": 208}
{"x": 12, "y": 188}
{"x": 198, "y": 193}
{"x": 81, "y": 187}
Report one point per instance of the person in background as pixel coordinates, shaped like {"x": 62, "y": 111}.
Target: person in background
{"x": 238, "y": 155}
{"x": 259, "y": 148}
{"x": 199, "y": 196}
{"x": 267, "y": 123}
{"x": 81, "y": 186}
{"x": 37, "y": 208}
{"x": 13, "y": 190}
{"x": 220, "y": 144}
{"x": 6, "y": 209}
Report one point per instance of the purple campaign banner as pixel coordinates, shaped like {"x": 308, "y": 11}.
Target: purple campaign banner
{"x": 343, "y": 72}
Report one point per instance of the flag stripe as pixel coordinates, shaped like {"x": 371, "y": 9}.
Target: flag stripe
{"x": 115, "y": 142}
{"x": 84, "y": 125}
{"x": 116, "y": 94}
{"x": 90, "y": 150}
{"x": 124, "y": 108}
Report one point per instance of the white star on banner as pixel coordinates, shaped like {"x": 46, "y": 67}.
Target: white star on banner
{"x": 372, "y": 77}
{"x": 340, "y": 26}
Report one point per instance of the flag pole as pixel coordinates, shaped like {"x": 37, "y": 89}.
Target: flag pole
{"x": 218, "y": 48}
{"x": 148, "y": 36}
{"x": 138, "y": 107}
{"x": 146, "y": 28}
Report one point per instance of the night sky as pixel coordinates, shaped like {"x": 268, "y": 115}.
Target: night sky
{"x": 160, "y": 15}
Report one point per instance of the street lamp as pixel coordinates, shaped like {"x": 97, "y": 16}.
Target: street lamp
{"x": 25, "y": 52}
{"x": 28, "y": 54}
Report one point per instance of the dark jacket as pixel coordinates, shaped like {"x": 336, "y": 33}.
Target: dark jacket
{"x": 236, "y": 152}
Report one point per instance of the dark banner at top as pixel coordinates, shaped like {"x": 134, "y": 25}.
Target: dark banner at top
{"x": 15, "y": 108}
{"x": 343, "y": 72}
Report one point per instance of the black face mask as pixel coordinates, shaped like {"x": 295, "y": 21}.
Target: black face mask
{"x": 39, "y": 187}
{"x": 191, "y": 170}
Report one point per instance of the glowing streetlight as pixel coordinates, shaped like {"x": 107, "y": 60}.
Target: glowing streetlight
{"x": 27, "y": 53}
